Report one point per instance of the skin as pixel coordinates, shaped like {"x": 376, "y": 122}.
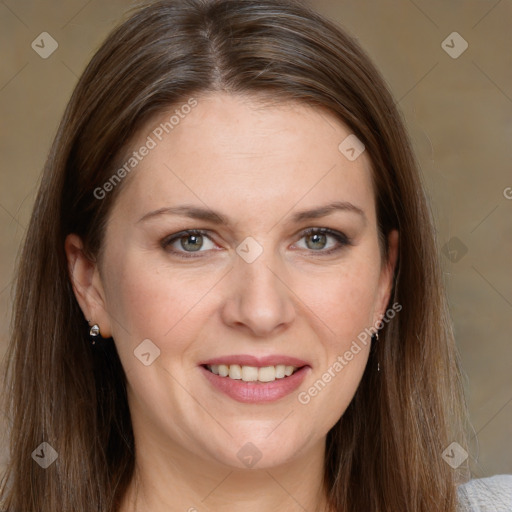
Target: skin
{"x": 258, "y": 166}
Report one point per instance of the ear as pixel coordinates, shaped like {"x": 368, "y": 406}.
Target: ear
{"x": 386, "y": 277}
{"x": 87, "y": 286}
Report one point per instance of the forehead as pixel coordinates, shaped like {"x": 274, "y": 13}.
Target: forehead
{"x": 234, "y": 152}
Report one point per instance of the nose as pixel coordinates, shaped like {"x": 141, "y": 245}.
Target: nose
{"x": 258, "y": 299}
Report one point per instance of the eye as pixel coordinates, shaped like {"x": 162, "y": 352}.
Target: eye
{"x": 185, "y": 243}
{"x": 189, "y": 241}
{"x": 317, "y": 240}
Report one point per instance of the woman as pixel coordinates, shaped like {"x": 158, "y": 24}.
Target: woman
{"x": 229, "y": 295}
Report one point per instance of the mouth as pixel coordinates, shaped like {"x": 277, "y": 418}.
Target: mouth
{"x": 260, "y": 374}
{"x": 252, "y": 380}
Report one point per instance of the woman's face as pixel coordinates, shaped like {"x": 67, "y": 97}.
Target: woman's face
{"x": 249, "y": 287}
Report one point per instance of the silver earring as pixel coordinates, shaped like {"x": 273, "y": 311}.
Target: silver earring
{"x": 377, "y": 339}
{"x": 94, "y": 332}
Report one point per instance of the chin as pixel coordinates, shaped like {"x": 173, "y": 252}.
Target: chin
{"x": 259, "y": 450}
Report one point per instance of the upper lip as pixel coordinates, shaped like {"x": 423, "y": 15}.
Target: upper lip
{"x": 249, "y": 360}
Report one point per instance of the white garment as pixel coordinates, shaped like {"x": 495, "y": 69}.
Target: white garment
{"x": 491, "y": 494}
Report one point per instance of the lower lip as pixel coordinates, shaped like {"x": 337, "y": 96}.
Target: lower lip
{"x": 254, "y": 392}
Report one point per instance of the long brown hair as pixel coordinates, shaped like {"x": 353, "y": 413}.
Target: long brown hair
{"x": 385, "y": 452}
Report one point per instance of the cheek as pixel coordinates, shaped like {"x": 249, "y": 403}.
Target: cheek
{"x": 163, "y": 305}
{"x": 343, "y": 299}
{"x": 149, "y": 301}
{"x": 344, "y": 303}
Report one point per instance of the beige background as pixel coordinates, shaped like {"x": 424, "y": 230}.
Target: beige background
{"x": 458, "y": 111}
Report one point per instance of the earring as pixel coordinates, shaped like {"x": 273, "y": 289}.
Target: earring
{"x": 376, "y": 338}
{"x": 94, "y": 332}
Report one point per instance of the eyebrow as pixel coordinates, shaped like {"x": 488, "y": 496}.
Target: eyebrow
{"x": 214, "y": 217}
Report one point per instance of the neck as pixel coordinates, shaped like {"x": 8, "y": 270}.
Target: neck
{"x": 175, "y": 479}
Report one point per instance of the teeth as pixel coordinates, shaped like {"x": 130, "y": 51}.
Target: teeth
{"x": 235, "y": 371}
{"x": 249, "y": 373}
{"x": 267, "y": 374}
{"x": 280, "y": 369}
{"x": 288, "y": 370}
{"x": 252, "y": 373}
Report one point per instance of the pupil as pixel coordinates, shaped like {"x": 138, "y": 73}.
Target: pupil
{"x": 195, "y": 239}
{"x": 318, "y": 238}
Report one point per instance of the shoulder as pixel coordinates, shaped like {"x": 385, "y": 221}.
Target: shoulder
{"x": 491, "y": 494}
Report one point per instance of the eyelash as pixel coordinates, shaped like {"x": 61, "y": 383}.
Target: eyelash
{"x": 341, "y": 238}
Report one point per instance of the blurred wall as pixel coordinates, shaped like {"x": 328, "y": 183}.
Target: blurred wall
{"x": 455, "y": 92}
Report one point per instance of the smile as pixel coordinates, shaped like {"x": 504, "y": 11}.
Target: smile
{"x": 247, "y": 384}
{"x": 253, "y": 373}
